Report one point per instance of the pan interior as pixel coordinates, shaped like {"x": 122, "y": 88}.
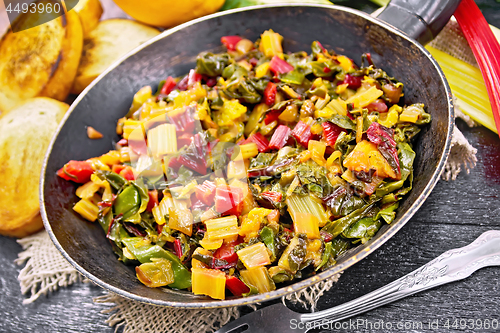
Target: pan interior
{"x": 343, "y": 30}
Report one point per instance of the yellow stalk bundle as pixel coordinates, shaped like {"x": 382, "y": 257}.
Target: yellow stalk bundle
{"x": 467, "y": 84}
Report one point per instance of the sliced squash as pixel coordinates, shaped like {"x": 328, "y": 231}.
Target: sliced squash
{"x": 41, "y": 59}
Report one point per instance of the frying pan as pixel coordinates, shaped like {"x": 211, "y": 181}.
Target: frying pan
{"x": 344, "y": 30}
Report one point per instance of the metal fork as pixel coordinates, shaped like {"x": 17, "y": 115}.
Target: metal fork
{"x": 453, "y": 265}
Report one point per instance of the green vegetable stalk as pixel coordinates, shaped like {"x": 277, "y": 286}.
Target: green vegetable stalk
{"x": 144, "y": 254}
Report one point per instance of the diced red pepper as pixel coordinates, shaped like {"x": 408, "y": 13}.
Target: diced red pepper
{"x": 230, "y": 42}
{"x": 236, "y": 286}
{"x": 168, "y": 86}
{"x": 280, "y": 137}
{"x": 159, "y": 228}
{"x": 272, "y": 196}
{"x": 261, "y": 142}
{"x": 193, "y": 77}
{"x": 377, "y": 106}
{"x": 229, "y": 200}
{"x": 226, "y": 252}
{"x": 178, "y": 248}
{"x": 354, "y": 82}
{"x": 253, "y": 62}
{"x": 153, "y": 200}
{"x": 127, "y": 173}
{"x": 117, "y": 168}
{"x": 279, "y": 66}
{"x": 206, "y": 192}
{"x": 272, "y": 116}
{"x": 270, "y": 94}
{"x": 302, "y": 133}
{"x": 77, "y": 171}
{"x": 326, "y": 70}
{"x": 331, "y": 132}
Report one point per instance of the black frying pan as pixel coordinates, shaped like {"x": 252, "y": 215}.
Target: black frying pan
{"x": 347, "y": 31}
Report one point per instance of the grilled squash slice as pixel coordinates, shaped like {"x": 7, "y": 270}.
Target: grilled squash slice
{"x": 39, "y": 61}
{"x": 25, "y": 134}
{"x": 89, "y": 11}
{"x": 107, "y": 43}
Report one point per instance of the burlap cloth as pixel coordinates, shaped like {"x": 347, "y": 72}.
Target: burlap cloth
{"x": 46, "y": 270}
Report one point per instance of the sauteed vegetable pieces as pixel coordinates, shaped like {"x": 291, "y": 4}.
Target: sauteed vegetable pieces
{"x": 256, "y": 168}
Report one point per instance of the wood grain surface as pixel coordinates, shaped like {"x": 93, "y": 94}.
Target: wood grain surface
{"x": 453, "y": 216}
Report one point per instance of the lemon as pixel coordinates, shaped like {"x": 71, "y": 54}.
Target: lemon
{"x": 168, "y": 13}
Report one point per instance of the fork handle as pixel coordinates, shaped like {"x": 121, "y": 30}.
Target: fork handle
{"x": 451, "y": 266}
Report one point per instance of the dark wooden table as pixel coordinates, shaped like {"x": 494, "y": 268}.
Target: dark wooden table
{"x": 453, "y": 216}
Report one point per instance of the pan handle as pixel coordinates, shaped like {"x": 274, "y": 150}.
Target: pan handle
{"x": 420, "y": 19}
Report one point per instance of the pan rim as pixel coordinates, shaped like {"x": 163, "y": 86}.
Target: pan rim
{"x": 299, "y": 285}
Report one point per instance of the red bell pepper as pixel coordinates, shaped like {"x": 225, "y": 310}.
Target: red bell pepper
{"x": 261, "y": 142}
{"x": 272, "y": 116}
{"x": 168, "y": 86}
{"x": 270, "y": 94}
{"x": 206, "y": 192}
{"x": 236, "y": 286}
{"x": 280, "y": 137}
{"x": 226, "y": 252}
{"x": 127, "y": 173}
{"x": 331, "y": 132}
{"x": 302, "y": 133}
{"x": 117, "y": 168}
{"x": 153, "y": 200}
{"x": 77, "y": 171}
{"x": 272, "y": 196}
{"x": 279, "y": 66}
{"x": 230, "y": 42}
{"x": 229, "y": 200}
